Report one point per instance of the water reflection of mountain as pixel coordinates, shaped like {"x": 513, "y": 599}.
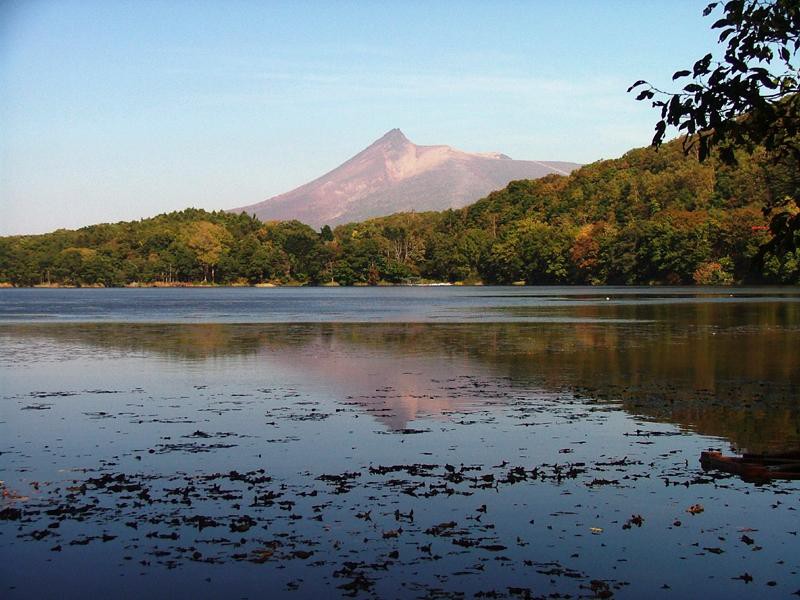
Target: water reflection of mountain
{"x": 725, "y": 370}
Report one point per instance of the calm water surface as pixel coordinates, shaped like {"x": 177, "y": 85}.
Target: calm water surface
{"x": 397, "y": 442}
{"x": 362, "y": 305}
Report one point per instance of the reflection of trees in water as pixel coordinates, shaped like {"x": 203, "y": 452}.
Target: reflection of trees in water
{"x": 729, "y": 370}
{"x": 180, "y": 342}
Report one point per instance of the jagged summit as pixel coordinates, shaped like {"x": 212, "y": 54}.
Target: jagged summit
{"x": 395, "y": 175}
{"x": 394, "y": 136}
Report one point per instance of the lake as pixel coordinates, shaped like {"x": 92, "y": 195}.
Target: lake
{"x": 396, "y": 442}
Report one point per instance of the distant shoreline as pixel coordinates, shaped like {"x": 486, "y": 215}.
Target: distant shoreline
{"x": 159, "y": 285}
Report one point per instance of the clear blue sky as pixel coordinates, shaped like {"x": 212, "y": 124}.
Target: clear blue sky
{"x": 116, "y": 110}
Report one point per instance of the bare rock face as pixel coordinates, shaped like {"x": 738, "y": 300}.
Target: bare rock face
{"x": 394, "y": 175}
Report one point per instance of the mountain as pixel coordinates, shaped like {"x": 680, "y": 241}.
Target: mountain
{"x": 395, "y": 175}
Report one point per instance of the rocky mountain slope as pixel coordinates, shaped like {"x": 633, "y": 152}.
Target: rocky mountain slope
{"x": 395, "y": 175}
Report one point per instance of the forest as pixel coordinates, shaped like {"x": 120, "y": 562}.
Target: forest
{"x": 650, "y": 217}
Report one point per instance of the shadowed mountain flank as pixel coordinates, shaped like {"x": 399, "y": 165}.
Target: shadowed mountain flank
{"x": 395, "y": 175}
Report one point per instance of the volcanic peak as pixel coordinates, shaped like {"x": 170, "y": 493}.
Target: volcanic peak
{"x": 395, "y": 175}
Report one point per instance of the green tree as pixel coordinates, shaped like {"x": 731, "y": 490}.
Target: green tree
{"x": 303, "y": 247}
{"x": 675, "y": 244}
{"x": 544, "y": 250}
{"x": 445, "y": 261}
{"x": 502, "y": 263}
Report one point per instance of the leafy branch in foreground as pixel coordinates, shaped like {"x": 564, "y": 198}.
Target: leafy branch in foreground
{"x": 750, "y": 96}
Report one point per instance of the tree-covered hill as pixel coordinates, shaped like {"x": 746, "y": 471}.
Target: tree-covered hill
{"x": 647, "y": 217}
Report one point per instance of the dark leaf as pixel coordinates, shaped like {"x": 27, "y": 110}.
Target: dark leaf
{"x": 637, "y": 84}
{"x": 701, "y": 66}
{"x": 680, "y": 74}
{"x": 661, "y": 127}
{"x": 738, "y": 64}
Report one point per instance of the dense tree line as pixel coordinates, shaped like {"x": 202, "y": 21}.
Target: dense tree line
{"x": 647, "y": 217}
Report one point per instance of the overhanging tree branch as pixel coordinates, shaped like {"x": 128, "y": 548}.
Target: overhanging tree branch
{"x": 748, "y": 97}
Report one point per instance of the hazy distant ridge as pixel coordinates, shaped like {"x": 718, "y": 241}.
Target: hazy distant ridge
{"x": 395, "y": 175}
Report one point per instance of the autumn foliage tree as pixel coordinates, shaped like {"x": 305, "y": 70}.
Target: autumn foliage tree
{"x": 208, "y": 241}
